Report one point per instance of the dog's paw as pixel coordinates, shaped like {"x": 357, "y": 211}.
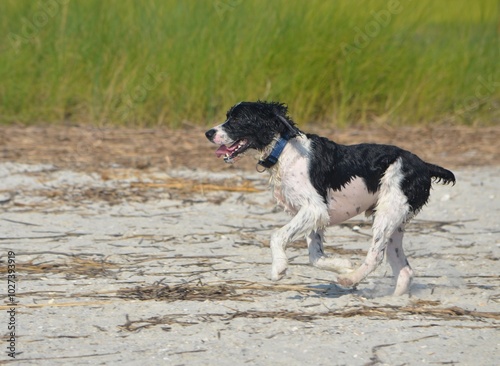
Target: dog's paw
{"x": 345, "y": 281}
{"x": 278, "y": 271}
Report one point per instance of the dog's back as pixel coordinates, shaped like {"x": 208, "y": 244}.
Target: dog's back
{"x": 333, "y": 166}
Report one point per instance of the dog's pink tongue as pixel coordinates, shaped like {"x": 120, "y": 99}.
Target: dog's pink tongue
{"x": 222, "y": 150}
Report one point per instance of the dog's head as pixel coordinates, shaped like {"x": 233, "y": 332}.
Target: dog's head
{"x": 251, "y": 125}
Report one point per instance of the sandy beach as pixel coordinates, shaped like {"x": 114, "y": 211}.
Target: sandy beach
{"x": 171, "y": 265}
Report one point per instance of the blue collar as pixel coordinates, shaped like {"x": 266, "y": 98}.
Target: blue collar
{"x": 272, "y": 158}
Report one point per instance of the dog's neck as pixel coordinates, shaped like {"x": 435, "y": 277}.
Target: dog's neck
{"x": 295, "y": 156}
{"x": 272, "y": 157}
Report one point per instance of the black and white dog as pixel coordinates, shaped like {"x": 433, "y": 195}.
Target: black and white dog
{"x": 323, "y": 183}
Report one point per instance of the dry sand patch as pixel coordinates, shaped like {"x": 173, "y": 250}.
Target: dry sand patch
{"x": 124, "y": 264}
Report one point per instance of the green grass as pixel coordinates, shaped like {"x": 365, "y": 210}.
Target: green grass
{"x": 127, "y": 62}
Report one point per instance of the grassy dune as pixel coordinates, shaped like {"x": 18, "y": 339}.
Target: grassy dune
{"x": 164, "y": 62}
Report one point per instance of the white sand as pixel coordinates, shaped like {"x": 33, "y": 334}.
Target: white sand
{"x": 72, "y": 314}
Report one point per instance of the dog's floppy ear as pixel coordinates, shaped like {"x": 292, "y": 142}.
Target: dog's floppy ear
{"x": 280, "y": 111}
{"x": 292, "y": 131}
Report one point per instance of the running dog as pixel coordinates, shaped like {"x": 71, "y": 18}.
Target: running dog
{"x": 322, "y": 183}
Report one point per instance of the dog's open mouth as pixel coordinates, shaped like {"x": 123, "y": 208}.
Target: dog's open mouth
{"x": 230, "y": 152}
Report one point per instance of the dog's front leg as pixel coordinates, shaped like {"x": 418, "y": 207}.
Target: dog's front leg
{"x": 308, "y": 219}
{"x": 280, "y": 261}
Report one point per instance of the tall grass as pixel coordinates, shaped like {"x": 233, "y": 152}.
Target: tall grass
{"x": 168, "y": 61}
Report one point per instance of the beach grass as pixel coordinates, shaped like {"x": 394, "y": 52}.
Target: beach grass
{"x": 166, "y": 62}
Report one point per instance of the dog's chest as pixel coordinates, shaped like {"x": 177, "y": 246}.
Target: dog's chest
{"x": 290, "y": 181}
{"x": 292, "y": 188}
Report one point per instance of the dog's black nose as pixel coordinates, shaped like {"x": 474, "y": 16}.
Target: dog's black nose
{"x": 210, "y": 134}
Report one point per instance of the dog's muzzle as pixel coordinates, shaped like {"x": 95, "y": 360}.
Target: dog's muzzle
{"x": 227, "y": 149}
{"x": 210, "y": 134}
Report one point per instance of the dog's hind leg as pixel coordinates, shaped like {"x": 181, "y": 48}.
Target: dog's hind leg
{"x": 309, "y": 218}
{"x": 391, "y": 212}
{"x": 401, "y": 269}
{"x": 383, "y": 230}
{"x": 318, "y": 258}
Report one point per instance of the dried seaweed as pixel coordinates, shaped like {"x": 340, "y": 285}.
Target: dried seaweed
{"x": 202, "y": 292}
{"x": 138, "y": 192}
{"x": 71, "y": 267}
{"x": 136, "y": 325}
{"x": 372, "y": 312}
{"x": 394, "y": 312}
{"x": 229, "y": 290}
{"x": 375, "y": 359}
{"x": 190, "y": 186}
{"x": 197, "y": 292}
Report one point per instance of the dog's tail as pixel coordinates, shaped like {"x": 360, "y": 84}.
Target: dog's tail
{"x": 441, "y": 175}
